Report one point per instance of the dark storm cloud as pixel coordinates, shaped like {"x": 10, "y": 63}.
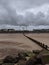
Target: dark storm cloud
{"x": 24, "y": 12}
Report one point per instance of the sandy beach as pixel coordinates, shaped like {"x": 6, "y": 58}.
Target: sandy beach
{"x": 10, "y": 44}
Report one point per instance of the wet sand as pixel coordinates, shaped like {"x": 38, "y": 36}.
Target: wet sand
{"x": 41, "y": 37}
{"x": 10, "y": 44}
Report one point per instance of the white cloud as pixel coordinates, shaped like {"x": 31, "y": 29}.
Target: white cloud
{"x": 35, "y": 10}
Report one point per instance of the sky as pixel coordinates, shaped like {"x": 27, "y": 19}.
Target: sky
{"x": 24, "y": 12}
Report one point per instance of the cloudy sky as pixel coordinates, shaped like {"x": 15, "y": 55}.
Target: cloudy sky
{"x": 24, "y": 12}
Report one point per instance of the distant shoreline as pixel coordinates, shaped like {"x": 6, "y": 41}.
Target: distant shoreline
{"x": 21, "y": 32}
{"x": 24, "y": 31}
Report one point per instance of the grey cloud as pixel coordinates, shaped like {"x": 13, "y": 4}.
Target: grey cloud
{"x": 9, "y": 15}
{"x": 10, "y": 18}
{"x": 23, "y": 4}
